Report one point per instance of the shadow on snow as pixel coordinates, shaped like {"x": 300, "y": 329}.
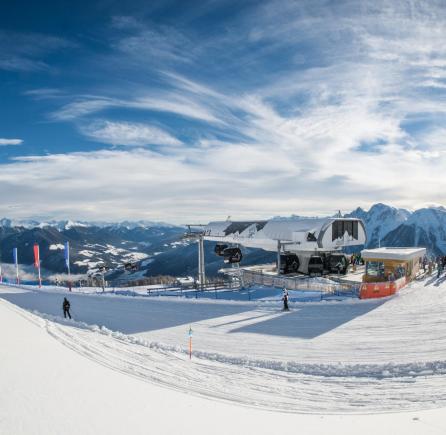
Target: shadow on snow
{"x": 127, "y": 315}
{"x": 310, "y": 321}
{"x": 135, "y": 315}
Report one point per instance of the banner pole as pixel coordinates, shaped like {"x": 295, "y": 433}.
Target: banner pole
{"x": 40, "y": 277}
{"x": 69, "y": 277}
{"x": 190, "y": 342}
{"x": 16, "y": 261}
{"x": 67, "y": 262}
{"x": 37, "y": 262}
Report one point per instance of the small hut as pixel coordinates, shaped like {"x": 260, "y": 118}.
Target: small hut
{"x": 389, "y": 269}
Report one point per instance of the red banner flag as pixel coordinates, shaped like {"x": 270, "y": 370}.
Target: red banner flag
{"x": 36, "y": 256}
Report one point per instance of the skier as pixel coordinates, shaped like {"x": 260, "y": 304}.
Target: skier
{"x": 285, "y": 300}
{"x": 439, "y": 266}
{"x": 66, "y": 308}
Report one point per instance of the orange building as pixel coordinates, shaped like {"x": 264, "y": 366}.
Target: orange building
{"x": 389, "y": 269}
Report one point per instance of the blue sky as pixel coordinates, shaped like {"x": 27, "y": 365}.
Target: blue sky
{"x": 178, "y": 111}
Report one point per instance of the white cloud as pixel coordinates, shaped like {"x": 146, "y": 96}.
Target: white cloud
{"x": 83, "y": 107}
{"x": 127, "y": 133}
{"x": 164, "y": 102}
{"x": 201, "y": 184}
{"x": 4, "y": 142}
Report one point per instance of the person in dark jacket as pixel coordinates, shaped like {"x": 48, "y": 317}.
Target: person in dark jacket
{"x": 285, "y": 300}
{"x": 439, "y": 266}
{"x": 66, "y": 308}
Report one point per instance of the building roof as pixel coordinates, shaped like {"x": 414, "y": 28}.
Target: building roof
{"x": 393, "y": 253}
{"x": 275, "y": 229}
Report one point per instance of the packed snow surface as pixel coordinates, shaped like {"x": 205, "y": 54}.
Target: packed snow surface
{"x": 349, "y": 357}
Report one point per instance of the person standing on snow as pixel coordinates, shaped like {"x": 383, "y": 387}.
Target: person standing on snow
{"x": 66, "y": 308}
{"x": 285, "y": 300}
{"x": 439, "y": 266}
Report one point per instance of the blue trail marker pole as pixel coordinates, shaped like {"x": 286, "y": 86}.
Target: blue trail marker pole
{"x": 190, "y": 342}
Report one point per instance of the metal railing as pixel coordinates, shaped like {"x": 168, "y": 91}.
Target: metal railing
{"x": 300, "y": 283}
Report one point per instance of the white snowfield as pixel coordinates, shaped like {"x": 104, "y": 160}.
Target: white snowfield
{"x": 325, "y": 367}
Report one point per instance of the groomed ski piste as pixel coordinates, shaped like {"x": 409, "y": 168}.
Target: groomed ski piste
{"x": 122, "y": 364}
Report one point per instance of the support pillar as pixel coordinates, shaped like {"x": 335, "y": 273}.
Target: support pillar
{"x": 201, "y": 267}
{"x": 279, "y": 246}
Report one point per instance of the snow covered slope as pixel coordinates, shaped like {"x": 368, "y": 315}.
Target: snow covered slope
{"x": 49, "y": 387}
{"x": 323, "y": 358}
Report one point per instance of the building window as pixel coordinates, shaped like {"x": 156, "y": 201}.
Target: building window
{"x": 340, "y": 227}
{"x": 375, "y": 269}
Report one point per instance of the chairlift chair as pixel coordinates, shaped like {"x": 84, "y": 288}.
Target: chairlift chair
{"x": 219, "y": 249}
{"x": 232, "y": 255}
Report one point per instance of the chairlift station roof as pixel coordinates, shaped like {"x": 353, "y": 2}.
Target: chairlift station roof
{"x": 403, "y": 254}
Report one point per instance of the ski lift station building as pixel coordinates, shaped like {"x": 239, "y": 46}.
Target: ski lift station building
{"x": 297, "y": 234}
{"x": 299, "y": 237}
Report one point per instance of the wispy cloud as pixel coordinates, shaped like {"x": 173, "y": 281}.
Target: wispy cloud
{"x": 5, "y": 142}
{"x": 84, "y": 106}
{"x": 27, "y": 51}
{"x": 44, "y": 93}
{"x": 162, "y": 102}
{"x": 153, "y": 43}
{"x": 127, "y": 133}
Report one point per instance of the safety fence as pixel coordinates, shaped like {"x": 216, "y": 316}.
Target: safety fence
{"x": 256, "y": 286}
{"x": 300, "y": 283}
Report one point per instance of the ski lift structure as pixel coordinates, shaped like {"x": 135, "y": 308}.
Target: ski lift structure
{"x": 231, "y": 253}
{"x": 303, "y": 245}
{"x": 308, "y": 246}
{"x": 196, "y": 233}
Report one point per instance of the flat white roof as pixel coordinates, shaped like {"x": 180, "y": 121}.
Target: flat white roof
{"x": 393, "y": 253}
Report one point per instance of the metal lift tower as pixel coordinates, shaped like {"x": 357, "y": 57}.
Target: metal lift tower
{"x": 196, "y": 233}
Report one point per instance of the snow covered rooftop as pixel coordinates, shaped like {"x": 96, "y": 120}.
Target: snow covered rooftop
{"x": 393, "y": 253}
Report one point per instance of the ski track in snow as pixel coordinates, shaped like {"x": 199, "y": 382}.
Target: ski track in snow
{"x": 386, "y": 382}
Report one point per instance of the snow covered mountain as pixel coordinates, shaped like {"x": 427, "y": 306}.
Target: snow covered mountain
{"x": 91, "y": 246}
{"x": 380, "y": 220}
{"x": 425, "y": 227}
{"x": 390, "y": 226}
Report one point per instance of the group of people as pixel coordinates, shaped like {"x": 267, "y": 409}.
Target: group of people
{"x": 398, "y": 273}
{"x": 356, "y": 260}
{"x": 441, "y": 264}
{"x": 429, "y": 264}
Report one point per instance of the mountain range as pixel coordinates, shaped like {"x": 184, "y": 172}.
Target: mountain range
{"x": 91, "y": 246}
{"x": 390, "y": 226}
{"x": 154, "y": 248}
